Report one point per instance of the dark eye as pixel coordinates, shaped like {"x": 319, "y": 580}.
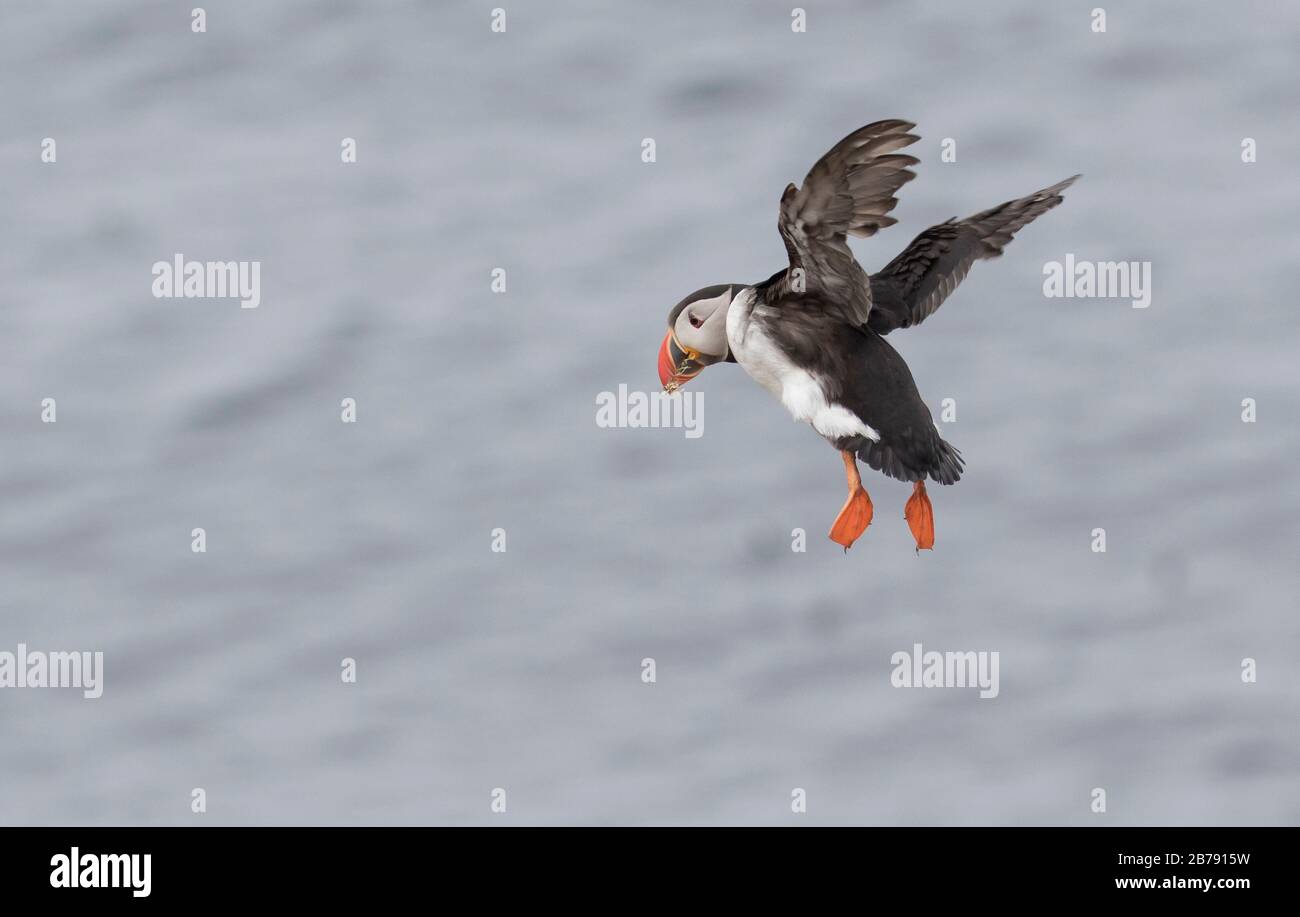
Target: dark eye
{"x": 695, "y": 321}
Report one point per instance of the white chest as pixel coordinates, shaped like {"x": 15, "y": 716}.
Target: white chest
{"x": 801, "y": 393}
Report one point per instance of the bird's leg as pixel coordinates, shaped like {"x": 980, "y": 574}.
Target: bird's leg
{"x": 920, "y": 517}
{"x": 856, "y": 514}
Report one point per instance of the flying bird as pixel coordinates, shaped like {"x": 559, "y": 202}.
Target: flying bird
{"x": 813, "y": 334}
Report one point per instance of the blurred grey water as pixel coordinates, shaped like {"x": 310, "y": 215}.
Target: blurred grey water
{"x": 476, "y": 411}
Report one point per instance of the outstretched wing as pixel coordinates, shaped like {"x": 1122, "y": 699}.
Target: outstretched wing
{"x": 849, "y": 190}
{"x": 912, "y": 286}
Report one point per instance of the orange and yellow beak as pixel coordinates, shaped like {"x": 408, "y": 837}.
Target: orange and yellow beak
{"x": 677, "y": 365}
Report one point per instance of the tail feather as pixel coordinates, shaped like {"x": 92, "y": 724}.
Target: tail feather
{"x": 940, "y": 461}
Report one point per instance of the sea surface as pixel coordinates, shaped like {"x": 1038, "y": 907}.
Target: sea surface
{"x": 523, "y": 669}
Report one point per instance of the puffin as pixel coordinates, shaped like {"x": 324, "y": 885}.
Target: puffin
{"x": 813, "y": 334}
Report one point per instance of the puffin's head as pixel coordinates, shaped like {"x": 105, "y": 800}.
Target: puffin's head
{"x": 697, "y": 335}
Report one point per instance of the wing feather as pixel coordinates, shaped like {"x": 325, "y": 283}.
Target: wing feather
{"x": 914, "y": 285}
{"x": 849, "y": 191}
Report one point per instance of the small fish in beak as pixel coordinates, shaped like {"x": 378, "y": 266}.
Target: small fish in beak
{"x": 677, "y": 366}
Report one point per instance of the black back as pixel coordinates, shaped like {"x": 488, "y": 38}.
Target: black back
{"x": 862, "y": 373}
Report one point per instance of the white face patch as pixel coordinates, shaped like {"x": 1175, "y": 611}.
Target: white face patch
{"x": 710, "y": 337}
{"x": 798, "y": 390}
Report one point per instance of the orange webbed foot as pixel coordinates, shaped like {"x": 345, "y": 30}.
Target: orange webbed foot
{"x": 920, "y": 517}
{"x": 853, "y": 519}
